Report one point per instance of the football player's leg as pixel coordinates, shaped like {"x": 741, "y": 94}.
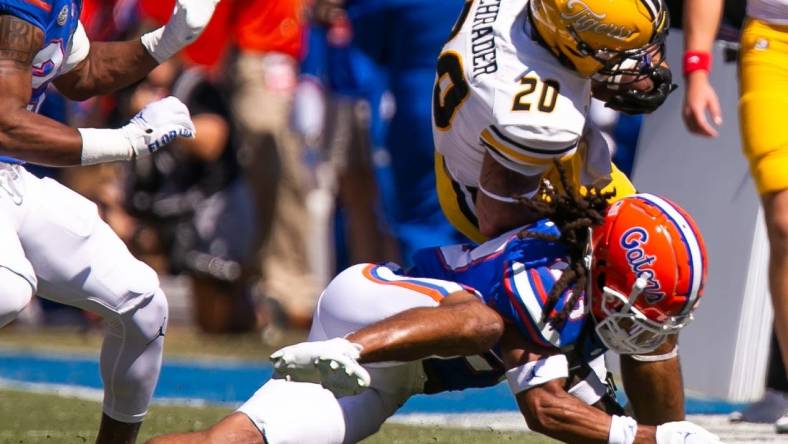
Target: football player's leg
{"x": 367, "y": 293}
{"x": 17, "y": 281}
{"x": 286, "y": 412}
{"x": 306, "y": 413}
{"x": 80, "y": 261}
{"x": 235, "y": 428}
{"x": 764, "y": 97}
{"x": 358, "y": 297}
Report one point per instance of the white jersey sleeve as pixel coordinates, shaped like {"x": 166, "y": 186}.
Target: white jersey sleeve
{"x": 77, "y": 50}
{"x": 513, "y": 99}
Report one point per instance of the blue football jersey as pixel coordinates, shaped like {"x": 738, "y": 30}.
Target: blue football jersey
{"x": 514, "y": 275}
{"x": 58, "y": 19}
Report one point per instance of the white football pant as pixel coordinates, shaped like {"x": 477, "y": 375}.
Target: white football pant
{"x": 54, "y": 243}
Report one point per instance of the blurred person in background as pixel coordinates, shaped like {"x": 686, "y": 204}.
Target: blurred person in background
{"x": 269, "y": 45}
{"x": 404, "y": 38}
{"x": 338, "y": 113}
{"x": 262, "y": 42}
{"x": 195, "y": 211}
{"x": 763, "y": 85}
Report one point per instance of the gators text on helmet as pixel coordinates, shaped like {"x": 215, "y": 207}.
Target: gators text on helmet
{"x": 648, "y": 269}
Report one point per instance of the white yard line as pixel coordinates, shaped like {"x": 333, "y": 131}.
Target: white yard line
{"x": 89, "y": 394}
{"x": 510, "y": 421}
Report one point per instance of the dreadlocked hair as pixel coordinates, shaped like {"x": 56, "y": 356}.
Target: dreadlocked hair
{"x": 573, "y": 214}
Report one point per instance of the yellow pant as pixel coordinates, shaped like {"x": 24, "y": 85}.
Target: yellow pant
{"x": 763, "y": 105}
{"x": 457, "y": 201}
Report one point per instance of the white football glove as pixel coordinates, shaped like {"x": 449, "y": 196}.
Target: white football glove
{"x": 684, "y": 432}
{"x": 332, "y": 363}
{"x": 158, "y": 124}
{"x": 187, "y": 22}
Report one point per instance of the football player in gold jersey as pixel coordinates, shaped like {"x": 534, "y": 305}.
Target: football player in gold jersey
{"x": 513, "y": 87}
{"x": 763, "y": 84}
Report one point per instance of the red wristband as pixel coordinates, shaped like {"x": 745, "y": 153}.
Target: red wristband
{"x": 696, "y": 61}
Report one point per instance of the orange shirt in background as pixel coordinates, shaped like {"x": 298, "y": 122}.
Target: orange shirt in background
{"x": 269, "y": 26}
{"x": 253, "y": 25}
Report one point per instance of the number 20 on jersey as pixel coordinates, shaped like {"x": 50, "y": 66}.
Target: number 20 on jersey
{"x": 451, "y": 90}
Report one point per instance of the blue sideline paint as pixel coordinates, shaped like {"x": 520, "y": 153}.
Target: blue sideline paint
{"x": 231, "y": 382}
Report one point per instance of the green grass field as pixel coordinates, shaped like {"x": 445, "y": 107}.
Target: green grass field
{"x": 31, "y": 418}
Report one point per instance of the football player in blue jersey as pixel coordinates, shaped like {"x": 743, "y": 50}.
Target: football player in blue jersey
{"x": 52, "y": 240}
{"x": 537, "y": 306}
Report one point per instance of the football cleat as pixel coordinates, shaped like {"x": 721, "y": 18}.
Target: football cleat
{"x": 648, "y": 268}
{"x": 332, "y": 364}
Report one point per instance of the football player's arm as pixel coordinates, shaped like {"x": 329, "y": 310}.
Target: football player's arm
{"x": 460, "y": 325}
{"x": 538, "y": 379}
{"x": 28, "y": 136}
{"x": 515, "y": 158}
{"x": 653, "y": 384}
{"x": 496, "y": 208}
{"x": 107, "y": 67}
{"x": 23, "y": 134}
{"x": 701, "y": 21}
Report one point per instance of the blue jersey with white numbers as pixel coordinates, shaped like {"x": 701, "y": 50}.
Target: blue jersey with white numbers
{"x": 58, "y": 20}
{"x": 513, "y": 275}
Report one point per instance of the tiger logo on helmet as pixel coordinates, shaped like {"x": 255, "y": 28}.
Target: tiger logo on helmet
{"x": 648, "y": 268}
{"x": 604, "y": 38}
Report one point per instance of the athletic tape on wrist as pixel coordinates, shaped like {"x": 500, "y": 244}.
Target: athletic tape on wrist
{"x": 536, "y": 373}
{"x": 622, "y": 430}
{"x": 156, "y": 47}
{"x": 657, "y": 358}
{"x": 104, "y": 145}
{"x": 590, "y": 390}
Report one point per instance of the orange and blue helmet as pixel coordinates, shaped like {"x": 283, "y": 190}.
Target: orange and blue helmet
{"x": 648, "y": 269}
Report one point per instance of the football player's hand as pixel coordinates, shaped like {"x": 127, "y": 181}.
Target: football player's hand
{"x": 158, "y": 124}
{"x": 684, "y": 432}
{"x": 698, "y": 99}
{"x": 188, "y": 20}
{"x": 332, "y": 363}
{"x": 634, "y": 101}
